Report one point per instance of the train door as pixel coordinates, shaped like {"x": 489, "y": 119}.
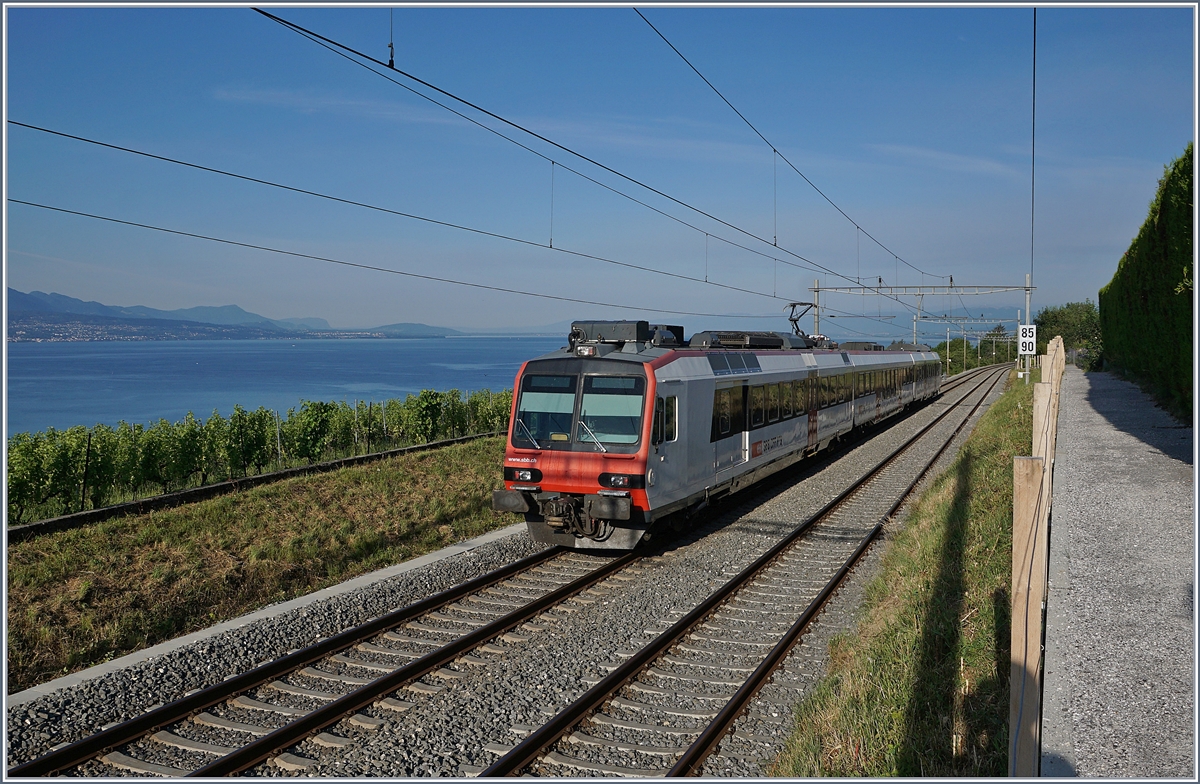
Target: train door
{"x": 728, "y": 427}
{"x": 666, "y": 467}
{"x": 879, "y": 395}
{"x": 810, "y": 388}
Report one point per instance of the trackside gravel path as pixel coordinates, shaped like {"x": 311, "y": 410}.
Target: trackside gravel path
{"x": 1119, "y": 696}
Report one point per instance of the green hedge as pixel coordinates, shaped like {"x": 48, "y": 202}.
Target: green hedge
{"x": 1146, "y": 309}
{"x": 62, "y": 471}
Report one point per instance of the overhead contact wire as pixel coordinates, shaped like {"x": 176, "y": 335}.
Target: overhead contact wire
{"x": 776, "y": 151}
{"x": 318, "y": 38}
{"x": 412, "y": 216}
{"x": 372, "y": 267}
{"x": 813, "y": 266}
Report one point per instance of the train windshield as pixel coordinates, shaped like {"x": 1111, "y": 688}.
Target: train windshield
{"x": 611, "y": 409}
{"x": 545, "y": 410}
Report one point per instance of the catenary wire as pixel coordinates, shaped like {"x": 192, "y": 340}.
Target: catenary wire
{"x": 317, "y": 37}
{"x": 552, "y": 161}
{"x": 353, "y": 203}
{"x": 371, "y": 267}
{"x": 777, "y": 152}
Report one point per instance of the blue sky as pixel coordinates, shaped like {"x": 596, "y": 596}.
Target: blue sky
{"x": 915, "y": 121}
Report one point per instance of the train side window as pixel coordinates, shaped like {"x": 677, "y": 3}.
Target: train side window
{"x": 785, "y": 399}
{"x": 772, "y": 402}
{"x": 672, "y": 424}
{"x": 800, "y": 393}
{"x": 757, "y": 406}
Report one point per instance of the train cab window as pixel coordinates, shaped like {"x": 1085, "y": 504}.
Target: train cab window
{"x": 786, "y": 391}
{"x": 544, "y": 410}
{"x": 757, "y": 406}
{"x": 611, "y": 410}
{"x": 664, "y": 419}
{"x": 772, "y": 402}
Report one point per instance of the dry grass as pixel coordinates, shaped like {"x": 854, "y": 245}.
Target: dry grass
{"x": 79, "y": 597}
{"x": 920, "y": 688}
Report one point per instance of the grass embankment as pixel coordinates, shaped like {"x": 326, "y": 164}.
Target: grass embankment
{"x": 920, "y": 688}
{"x": 80, "y": 597}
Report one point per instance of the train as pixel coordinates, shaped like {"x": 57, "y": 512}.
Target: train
{"x": 630, "y": 427}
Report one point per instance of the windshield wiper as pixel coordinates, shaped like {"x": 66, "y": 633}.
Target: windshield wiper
{"x": 595, "y": 440}
{"x": 528, "y": 434}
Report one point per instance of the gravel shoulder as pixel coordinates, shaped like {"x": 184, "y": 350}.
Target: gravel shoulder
{"x": 1120, "y": 669}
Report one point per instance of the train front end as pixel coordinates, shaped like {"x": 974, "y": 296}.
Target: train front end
{"x": 575, "y": 460}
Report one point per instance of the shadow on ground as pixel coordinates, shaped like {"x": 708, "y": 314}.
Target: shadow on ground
{"x": 947, "y": 733}
{"x": 1132, "y": 411}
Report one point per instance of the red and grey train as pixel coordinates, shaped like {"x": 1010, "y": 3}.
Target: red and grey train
{"x": 629, "y": 423}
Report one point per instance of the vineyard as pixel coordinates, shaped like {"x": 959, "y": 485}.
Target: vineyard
{"x": 58, "y": 472}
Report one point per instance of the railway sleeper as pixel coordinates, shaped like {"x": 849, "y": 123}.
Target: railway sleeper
{"x": 708, "y": 665}
{"x": 659, "y": 691}
{"x": 209, "y": 720}
{"x": 125, "y": 762}
{"x": 595, "y": 767}
{"x": 689, "y": 713}
{"x": 588, "y": 740}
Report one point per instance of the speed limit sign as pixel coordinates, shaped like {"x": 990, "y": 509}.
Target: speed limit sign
{"x": 1027, "y": 344}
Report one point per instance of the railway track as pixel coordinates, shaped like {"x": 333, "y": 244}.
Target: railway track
{"x": 664, "y": 709}
{"x": 348, "y": 685}
{"x": 244, "y": 720}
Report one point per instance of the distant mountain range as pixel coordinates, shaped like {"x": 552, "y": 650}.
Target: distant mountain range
{"x": 40, "y": 316}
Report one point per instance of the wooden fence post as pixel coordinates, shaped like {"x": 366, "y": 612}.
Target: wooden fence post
{"x": 1041, "y": 418}
{"x": 1033, "y": 487}
{"x": 1028, "y": 592}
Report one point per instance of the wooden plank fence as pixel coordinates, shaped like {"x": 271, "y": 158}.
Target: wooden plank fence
{"x": 1033, "y": 486}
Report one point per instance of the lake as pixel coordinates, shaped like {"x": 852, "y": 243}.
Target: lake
{"x": 64, "y": 384}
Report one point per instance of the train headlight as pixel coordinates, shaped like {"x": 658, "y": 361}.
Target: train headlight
{"x": 522, "y": 475}
{"x": 618, "y": 480}
{"x": 585, "y": 351}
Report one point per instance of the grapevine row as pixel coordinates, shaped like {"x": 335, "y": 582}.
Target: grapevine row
{"x": 56, "y": 472}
